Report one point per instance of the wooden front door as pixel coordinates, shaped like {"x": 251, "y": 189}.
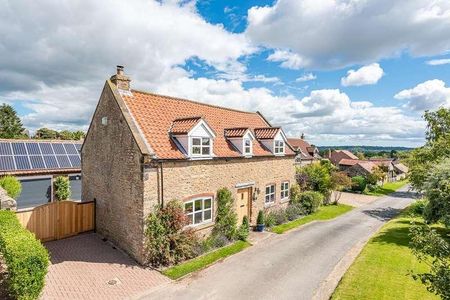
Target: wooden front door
{"x": 243, "y": 203}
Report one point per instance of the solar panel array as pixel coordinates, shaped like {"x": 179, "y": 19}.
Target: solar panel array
{"x": 18, "y": 156}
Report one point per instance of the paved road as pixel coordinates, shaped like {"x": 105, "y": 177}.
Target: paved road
{"x": 289, "y": 266}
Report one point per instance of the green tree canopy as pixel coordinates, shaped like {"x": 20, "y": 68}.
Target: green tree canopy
{"x": 10, "y": 124}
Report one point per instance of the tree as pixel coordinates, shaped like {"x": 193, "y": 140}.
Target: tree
{"x": 422, "y": 160}
{"x": 429, "y": 247}
{"x": 378, "y": 174}
{"x": 10, "y": 125}
{"x": 65, "y": 135}
{"x": 315, "y": 177}
{"x": 226, "y": 218}
{"x": 11, "y": 185}
{"x": 78, "y": 135}
{"x": 62, "y": 188}
{"x": 339, "y": 182}
{"x": 46, "y": 134}
{"x": 360, "y": 155}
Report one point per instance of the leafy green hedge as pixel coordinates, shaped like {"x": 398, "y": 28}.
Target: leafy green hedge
{"x": 25, "y": 257}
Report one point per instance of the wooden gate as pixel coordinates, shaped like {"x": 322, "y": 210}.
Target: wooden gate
{"x": 58, "y": 220}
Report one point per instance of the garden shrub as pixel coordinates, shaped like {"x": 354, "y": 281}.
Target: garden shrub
{"x": 11, "y": 185}
{"x": 25, "y": 257}
{"x": 294, "y": 211}
{"x": 418, "y": 207}
{"x": 310, "y": 201}
{"x": 295, "y": 193}
{"x": 226, "y": 219}
{"x": 269, "y": 220}
{"x": 244, "y": 229}
{"x": 167, "y": 240}
{"x": 260, "y": 218}
{"x": 62, "y": 188}
{"x": 358, "y": 184}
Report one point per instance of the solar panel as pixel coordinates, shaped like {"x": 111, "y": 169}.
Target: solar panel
{"x": 33, "y": 148}
{"x": 75, "y": 161}
{"x": 59, "y": 149}
{"x": 70, "y": 149}
{"x": 35, "y": 155}
{"x": 5, "y": 148}
{"x": 63, "y": 161}
{"x": 46, "y": 148}
{"x": 19, "y": 148}
{"x": 7, "y": 163}
{"x": 37, "y": 162}
{"x": 22, "y": 162}
{"x": 51, "y": 162}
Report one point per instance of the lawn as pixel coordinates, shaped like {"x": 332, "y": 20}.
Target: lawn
{"x": 324, "y": 213}
{"x": 381, "y": 270}
{"x": 387, "y": 188}
{"x": 205, "y": 260}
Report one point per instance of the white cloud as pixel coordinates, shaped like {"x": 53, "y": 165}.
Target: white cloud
{"x": 288, "y": 59}
{"x": 438, "y": 62}
{"x": 334, "y": 34}
{"x": 366, "y": 75}
{"x": 56, "y": 47}
{"x": 306, "y": 77}
{"x": 430, "y": 94}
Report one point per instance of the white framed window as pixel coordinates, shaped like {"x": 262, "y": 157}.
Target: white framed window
{"x": 270, "y": 194}
{"x": 105, "y": 121}
{"x": 284, "y": 190}
{"x": 278, "y": 147}
{"x": 247, "y": 146}
{"x": 198, "y": 211}
{"x": 201, "y": 146}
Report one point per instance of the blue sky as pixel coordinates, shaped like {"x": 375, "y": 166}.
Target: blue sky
{"x": 343, "y": 72}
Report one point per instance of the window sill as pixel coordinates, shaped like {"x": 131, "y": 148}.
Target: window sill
{"x": 201, "y": 226}
{"x": 270, "y": 204}
{"x": 284, "y": 200}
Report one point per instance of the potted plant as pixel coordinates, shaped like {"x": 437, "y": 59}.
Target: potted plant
{"x": 260, "y": 222}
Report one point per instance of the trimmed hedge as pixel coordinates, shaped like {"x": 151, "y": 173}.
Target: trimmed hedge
{"x": 25, "y": 257}
{"x": 11, "y": 185}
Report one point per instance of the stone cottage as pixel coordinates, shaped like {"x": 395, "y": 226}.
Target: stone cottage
{"x": 144, "y": 149}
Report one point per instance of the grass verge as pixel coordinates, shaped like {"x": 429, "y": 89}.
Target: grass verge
{"x": 324, "y": 213}
{"x": 381, "y": 271}
{"x": 205, "y": 260}
{"x": 387, "y": 188}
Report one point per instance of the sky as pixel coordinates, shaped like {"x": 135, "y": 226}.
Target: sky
{"x": 343, "y": 72}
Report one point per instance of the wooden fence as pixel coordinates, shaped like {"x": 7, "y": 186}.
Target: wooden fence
{"x": 58, "y": 220}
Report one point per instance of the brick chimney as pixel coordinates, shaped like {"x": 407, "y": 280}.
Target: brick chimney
{"x": 121, "y": 80}
{"x": 302, "y": 136}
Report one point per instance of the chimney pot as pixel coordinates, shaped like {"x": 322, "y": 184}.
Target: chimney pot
{"x": 121, "y": 80}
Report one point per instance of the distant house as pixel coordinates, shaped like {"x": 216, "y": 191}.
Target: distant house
{"x": 306, "y": 153}
{"x": 400, "y": 170}
{"x": 144, "y": 149}
{"x": 36, "y": 163}
{"x": 335, "y": 156}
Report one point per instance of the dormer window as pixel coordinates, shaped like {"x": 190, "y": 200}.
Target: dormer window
{"x": 201, "y": 146}
{"x": 279, "y": 147}
{"x": 247, "y": 146}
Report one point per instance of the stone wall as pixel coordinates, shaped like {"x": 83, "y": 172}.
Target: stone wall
{"x": 112, "y": 174}
{"x": 184, "y": 179}
{"x": 6, "y": 202}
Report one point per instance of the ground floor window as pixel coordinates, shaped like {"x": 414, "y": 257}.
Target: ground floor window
{"x": 75, "y": 187}
{"x": 270, "y": 194}
{"x": 284, "y": 189}
{"x": 199, "y": 210}
{"x": 35, "y": 192}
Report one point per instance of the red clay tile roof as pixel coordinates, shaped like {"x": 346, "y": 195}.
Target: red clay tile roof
{"x": 401, "y": 167}
{"x": 266, "y": 133}
{"x": 348, "y": 153}
{"x": 184, "y": 125}
{"x": 155, "y": 114}
{"x": 301, "y": 144}
{"x": 367, "y": 165}
{"x": 349, "y": 162}
{"x": 235, "y": 132}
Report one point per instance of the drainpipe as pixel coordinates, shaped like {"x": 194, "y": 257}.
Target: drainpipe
{"x": 162, "y": 183}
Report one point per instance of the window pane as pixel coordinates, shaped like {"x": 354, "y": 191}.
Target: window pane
{"x": 207, "y": 215}
{"x": 188, "y": 207}
{"x": 205, "y": 150}
{"x": 190, "y": 218}
{"x": 272, "y": 188}
{"x": 198, "y": 217}
{"x": 207, "y": 203}
{"x": 205, "y": 141}
{"x": 195, "y": 150}
{"x": 267, "y": 189}
{"x": 247, "y": 142}
{"x": 35, "y": 192}
{"x": 198, "y": 205}
{"x": 195, "y": 141}
{"x": 75, "y": 187}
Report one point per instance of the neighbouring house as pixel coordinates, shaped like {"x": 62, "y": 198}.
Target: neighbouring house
{"x": 36, "y": 163}
{"x": 144, "y": 149}
{"x": 400, "y": 170}
{"x": 335, "y": 156}
{"x": 306, "y": 153}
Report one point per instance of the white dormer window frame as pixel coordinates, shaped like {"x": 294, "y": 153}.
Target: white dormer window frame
{"x": 247, "y": 145}
{"x": 279, "y": 147}
{"x": 201, "y": 146}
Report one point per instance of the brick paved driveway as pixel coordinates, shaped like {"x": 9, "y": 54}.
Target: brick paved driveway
{"x": 85, "y": 267}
